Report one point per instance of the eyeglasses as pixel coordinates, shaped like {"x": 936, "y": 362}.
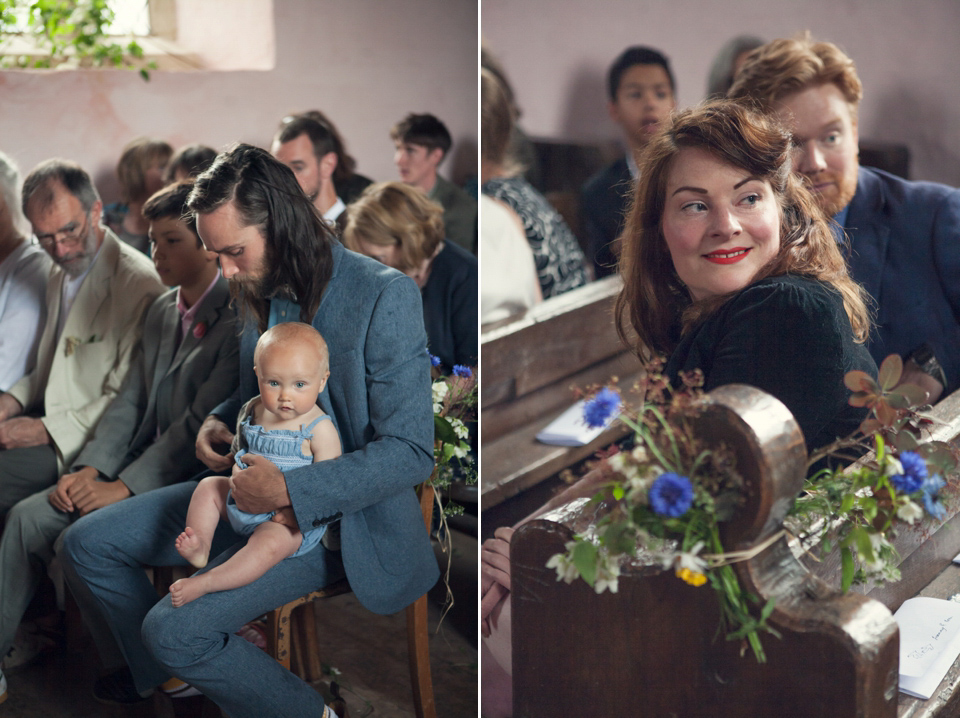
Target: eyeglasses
{"x": 69, "y": 235}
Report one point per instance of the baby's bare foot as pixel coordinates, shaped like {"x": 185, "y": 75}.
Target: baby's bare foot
{"x": 185, "y": 590}
{"x": 192, "y": 548}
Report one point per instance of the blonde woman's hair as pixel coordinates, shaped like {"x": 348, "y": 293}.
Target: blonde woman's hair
{"x": 393, "y": 213}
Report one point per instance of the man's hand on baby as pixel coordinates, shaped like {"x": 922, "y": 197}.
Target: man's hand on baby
{"x": 286, "y": 517}
{"x": 260, "y": 488}
{"x": 214, "y": 434}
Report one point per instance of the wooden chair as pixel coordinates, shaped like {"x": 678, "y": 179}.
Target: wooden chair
{"x": 295, "y": 641}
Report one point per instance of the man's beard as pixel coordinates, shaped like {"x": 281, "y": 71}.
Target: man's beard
{"x": 78, "y": 262}
{"x": 254, "y": 283}
{"x": 838, "y": 195}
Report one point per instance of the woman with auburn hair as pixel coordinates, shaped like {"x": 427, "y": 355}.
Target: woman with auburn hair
{"x": 399, "y": 226}
{"x": 730, "y": 267}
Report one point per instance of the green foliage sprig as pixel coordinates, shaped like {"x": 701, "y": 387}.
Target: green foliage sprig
{"x": 69, "y": 30}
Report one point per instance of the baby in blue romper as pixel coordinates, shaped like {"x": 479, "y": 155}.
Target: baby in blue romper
{"x": 283, "y": 424}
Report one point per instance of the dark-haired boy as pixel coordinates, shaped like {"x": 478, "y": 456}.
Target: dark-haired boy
{"x": 642, "y": 95}
{"x": 186, "y": 364}
{"x": 422, "y": 142}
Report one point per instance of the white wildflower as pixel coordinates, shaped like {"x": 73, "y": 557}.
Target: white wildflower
{"x": 608, "y": 573}
{"x": 881, "y": 549}
{"x": 690, "y": 560}
{"x": 440, "y": 389}
{"x": 639, "y": 484}
{"x": 910, "y": 512}
{"x": 893, "y": 467}
{"x": 459, "y": 428}
{"x": 563, "y": 563}
{"x": 617, "y": 462}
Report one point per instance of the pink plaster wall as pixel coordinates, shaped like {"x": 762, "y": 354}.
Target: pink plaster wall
{"x": 365, "y": 63}
{"x": 556, "y": 55}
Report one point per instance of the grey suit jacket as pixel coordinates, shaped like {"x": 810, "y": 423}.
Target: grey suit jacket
{"x": 379, "y": 397}
{"x": 170, "y": 389}
{"x": 79, "y": 373}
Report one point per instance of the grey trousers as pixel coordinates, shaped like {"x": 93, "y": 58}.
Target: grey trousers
{"x": 30, "y": 541}
{"x": 26, "y": 546}
{"x": 24, "y": 472}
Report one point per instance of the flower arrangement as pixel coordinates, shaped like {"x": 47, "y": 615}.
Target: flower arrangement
{"x": 454, "y": 406}
{"x": 901, "y": 480}
{"x": 670, "y": 494}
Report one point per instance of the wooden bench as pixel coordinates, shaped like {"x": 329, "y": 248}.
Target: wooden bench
{"x": 653, "y": 648}
{"x": 531, "y": 367}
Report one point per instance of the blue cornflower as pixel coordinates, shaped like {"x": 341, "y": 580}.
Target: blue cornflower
{"x": 671, "y": 495}
{"x": 461, "y": 370}
{"x": 914, "y": 473}
{"x": 598, "y": 410}
{"x": 931, "y": 487}
{"x": 435, "y": 361}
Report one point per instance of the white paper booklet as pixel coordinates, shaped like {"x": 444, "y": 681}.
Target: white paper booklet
{"x": 929, "y": 643}
{"x": 569, "y": 429}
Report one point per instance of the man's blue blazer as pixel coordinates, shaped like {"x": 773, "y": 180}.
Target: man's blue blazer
{"x": 905, "y": 251}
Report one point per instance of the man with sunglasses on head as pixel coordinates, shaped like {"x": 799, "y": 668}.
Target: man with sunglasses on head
{"x": 96, "y": 296}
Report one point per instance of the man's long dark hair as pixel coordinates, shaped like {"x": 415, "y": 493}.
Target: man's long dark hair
{"x": 298, "y": 260}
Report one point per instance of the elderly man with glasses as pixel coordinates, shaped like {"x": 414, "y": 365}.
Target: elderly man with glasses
{"x": 96, "y": 297}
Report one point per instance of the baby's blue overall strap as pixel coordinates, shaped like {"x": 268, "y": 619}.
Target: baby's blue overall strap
{"x": 309, "y": 427}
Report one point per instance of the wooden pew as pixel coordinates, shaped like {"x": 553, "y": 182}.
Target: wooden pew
{"x": 531, "y": 367}
{"x": 926, "y": 553}
{"x": 652, "y": 649}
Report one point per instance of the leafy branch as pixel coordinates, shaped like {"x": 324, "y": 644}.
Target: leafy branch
{"x": 73, "y": 31}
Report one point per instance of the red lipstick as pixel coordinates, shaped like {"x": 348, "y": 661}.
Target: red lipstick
{"x": 727, "y": 256}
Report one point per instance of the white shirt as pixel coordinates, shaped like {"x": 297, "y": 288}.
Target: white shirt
{"x": 330, "y": 216}
{"x": 23, "y": 289}
{"x": 68, "y": 293}
{"x": 510, "y": 284}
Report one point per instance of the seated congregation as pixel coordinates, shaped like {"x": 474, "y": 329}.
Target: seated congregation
{"x": 193, "y": 377}
{"x": 752, "y": 248}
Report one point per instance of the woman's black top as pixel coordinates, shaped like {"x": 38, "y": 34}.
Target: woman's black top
{"x": 450, "y": 307}
{"x": 790, "y": 337}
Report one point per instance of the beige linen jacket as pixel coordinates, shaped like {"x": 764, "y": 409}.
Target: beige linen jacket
{"x": 78, "y": 375}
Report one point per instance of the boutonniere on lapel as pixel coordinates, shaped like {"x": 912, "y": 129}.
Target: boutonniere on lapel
{"x": 199, "y": 329}
{"x": 71, "y": 343}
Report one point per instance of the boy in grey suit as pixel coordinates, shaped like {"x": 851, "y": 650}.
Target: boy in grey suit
{"x": 185, "y": 365}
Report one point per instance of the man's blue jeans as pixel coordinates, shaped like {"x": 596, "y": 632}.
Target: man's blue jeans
{"x": 107, "y": 551}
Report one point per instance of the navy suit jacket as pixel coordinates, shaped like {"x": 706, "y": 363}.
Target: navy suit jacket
{"x": 603, "y": 204}
{"x": 905, "y": 251}
{"x": 379, "y": 397}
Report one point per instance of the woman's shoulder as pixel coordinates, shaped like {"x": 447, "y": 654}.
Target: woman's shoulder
{"x": 785, "y": 291}
{"x": 516, "y": 193}
{"x": 455, "y": 256}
